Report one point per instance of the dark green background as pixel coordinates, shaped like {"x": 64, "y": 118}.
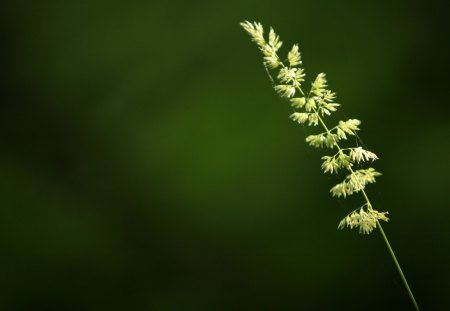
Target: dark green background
{"x": 146, "y": 163}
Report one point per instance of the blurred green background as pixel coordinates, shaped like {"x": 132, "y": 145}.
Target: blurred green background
{"x": 147, "y": 164}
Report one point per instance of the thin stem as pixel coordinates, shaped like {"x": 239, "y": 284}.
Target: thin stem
{"x": 369, "y": 206}
{"x": 397, "y": 264}
{"x": 411, "y": 295}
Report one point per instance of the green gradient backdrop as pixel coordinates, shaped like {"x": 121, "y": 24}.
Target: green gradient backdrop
{"x": 146, "y": 163}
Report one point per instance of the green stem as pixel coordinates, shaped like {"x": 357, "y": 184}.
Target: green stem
{"x": 411, "y": 295}
{"x": 397, "y": 264}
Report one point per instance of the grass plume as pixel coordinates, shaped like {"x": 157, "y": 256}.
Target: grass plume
{"x": 310, "y": 108}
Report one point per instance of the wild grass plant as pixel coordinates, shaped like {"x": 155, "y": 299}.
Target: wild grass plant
{"x": 310, "y": 108}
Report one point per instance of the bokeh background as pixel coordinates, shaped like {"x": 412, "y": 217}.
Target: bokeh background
{"x": 147, "y": 164}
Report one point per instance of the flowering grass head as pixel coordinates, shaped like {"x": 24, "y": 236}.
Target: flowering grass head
{"x": 311, "y": 108}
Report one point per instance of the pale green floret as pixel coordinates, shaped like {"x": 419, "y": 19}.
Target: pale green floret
{"x": 269, "y": 49}
{"x": 340, "y": 133}
{"x": 349, "y": 126}
{"x": 285, "y": 90}
{"x": 293, "y": 76}
{"x": 355, "y": 182}
{"x": 359, "y": 155}
{"x": 330, "y": 164}
{"x": 329, "y": 96}
{"x": 366, "y": 220}
{"x": 298, "y": 102}
{"x": 325, "y": 103}
{"x": 255, "y": 31}
{"x": 271, "y": 58}
{"x": 316, "y": 140}
{"x": 319, "y": 85}
{"x": 344, "y": 160}
{"x": 326, "y": 109}
{"x": 313, "y": 119}
{"x": 331, "y": 140}
{"x": 303, "y": 117}
{"x": 274, "y": 40}
{"x": 343, "y": 129}
{"x": 287, "y": 75}
{"x": 310, "y": 104}
{"x": 300, "y": 117}
{"x": 333, "y": 164}
{"x": 325, "y": 139}
{"x": 294, "y": 56}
